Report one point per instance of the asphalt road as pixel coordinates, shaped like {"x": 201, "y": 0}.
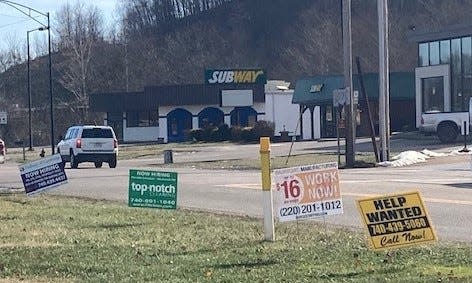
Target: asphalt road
{"x": 445, "y": 183}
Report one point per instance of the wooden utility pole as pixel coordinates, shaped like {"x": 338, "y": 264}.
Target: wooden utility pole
{"x": 347, "y": 59}
{"x": 384, "y": 96}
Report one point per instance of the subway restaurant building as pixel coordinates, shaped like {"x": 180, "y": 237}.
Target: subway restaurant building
{"x": 168, "y": 113}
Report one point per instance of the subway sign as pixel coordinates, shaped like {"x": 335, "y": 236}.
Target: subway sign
{"x": 237, "y": 76}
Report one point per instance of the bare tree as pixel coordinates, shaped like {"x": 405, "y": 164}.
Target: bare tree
{"x": 79, "y": 28}
{"x": 12, "y": 54}
{"x": 147, "y": 17}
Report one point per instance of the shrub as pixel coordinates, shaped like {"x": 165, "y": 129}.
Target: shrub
{"x": 196, "y": 134}
{"x": 208, "y": 133}
{"x": 222, "y": 133}
{"x": 247, "y": 134}
{"x": 263, "y": 129}
{"x": 235, "y": 133}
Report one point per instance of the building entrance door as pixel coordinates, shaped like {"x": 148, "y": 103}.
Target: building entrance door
{"x": 179, "y": 124}
{"x": 433, "y": 90}
{"x": 328, "y": 121}
{"x": 115, "y": 120}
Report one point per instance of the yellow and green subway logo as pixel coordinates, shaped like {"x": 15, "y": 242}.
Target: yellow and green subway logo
{"x": 242, "y": 76}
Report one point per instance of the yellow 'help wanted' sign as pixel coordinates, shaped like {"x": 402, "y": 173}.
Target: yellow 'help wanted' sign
{"x": 395, "y": 221}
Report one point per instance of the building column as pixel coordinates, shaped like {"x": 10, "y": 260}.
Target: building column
{"x": 163, "y": 128}
{"x": 194, "y": 122}
{"x": 228, "y": 120}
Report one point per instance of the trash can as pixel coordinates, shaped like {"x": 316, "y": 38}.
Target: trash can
{"x": 168, "y": 156}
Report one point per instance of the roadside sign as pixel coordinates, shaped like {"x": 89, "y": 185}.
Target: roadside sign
{"x": 3, "y": 118}
{"x": 397, "y": 220}
{"x": 43, "y": 174}
{"x": 356, "y": 96}
{"x": 308, "y": 191}
{"x": 341, "y": 97}
{"x": 152, "y": 189}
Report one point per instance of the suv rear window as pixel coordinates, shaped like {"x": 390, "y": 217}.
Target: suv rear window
{"x": 97, "y": 133}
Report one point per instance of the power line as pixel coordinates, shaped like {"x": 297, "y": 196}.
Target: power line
{"x": 14, "y": 23}
{"x": 11, "y": 16}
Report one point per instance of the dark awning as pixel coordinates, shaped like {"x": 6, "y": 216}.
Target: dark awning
{"x": 319, "y": 90}
{"x": 173, "y": 95}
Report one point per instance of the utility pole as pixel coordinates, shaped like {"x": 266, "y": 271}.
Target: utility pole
{"x": 384, "y": 97}
{"x": 347, "y": 59}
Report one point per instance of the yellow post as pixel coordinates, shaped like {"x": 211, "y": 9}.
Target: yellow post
{"x": 266, "y": 189}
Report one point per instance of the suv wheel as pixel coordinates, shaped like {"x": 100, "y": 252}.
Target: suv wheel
{"x": 112, "y": 162}
{"x": 73, "y": 161}
{"x": 98, "y": 164}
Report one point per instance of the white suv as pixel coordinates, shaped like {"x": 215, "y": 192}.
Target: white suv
{"x": 88, "y": 143}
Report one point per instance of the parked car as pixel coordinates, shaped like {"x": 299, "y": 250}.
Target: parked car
{"x": 89, "y": 143}
{"x": 3, "y": 148}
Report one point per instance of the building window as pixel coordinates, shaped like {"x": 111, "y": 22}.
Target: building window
{"x": 142, "y": 119}
{"x": 466, "y": 72}
{"x": 433, "y": 94}
{"x": 434, "y": 53}
{"x": 457, "y": 52}
{"x": 423, "y": 52}
{"x": 329, "y": 114}
{"x": 456, "y": 74}
{"x": 445, "y": 47}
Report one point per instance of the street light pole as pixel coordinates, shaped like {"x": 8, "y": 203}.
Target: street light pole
{"x": 29, "y": 93}
{"x": 50, "y": 85}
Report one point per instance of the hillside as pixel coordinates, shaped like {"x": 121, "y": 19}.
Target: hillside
{"x": 292, "y": 39}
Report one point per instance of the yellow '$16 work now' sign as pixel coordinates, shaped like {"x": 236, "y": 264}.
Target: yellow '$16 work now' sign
{"x": 395, "y": 221}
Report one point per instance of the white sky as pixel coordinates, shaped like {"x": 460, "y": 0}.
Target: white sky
{"x": 14, "y": 24}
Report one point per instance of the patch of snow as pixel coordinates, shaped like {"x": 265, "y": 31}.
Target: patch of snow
{"x": 432, "y": 153}
{"x": 405, "y": 158}
{"x": 411, "y": 157}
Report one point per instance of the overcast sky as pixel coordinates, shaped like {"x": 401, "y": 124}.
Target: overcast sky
{"x": 14, "y": 24}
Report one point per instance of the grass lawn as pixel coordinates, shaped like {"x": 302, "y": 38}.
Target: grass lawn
{"x": 151, "y": 151}
{"x": 277, "y": 162}
{"x": 55, "y": 239}
{"x": 134, "y": 151}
